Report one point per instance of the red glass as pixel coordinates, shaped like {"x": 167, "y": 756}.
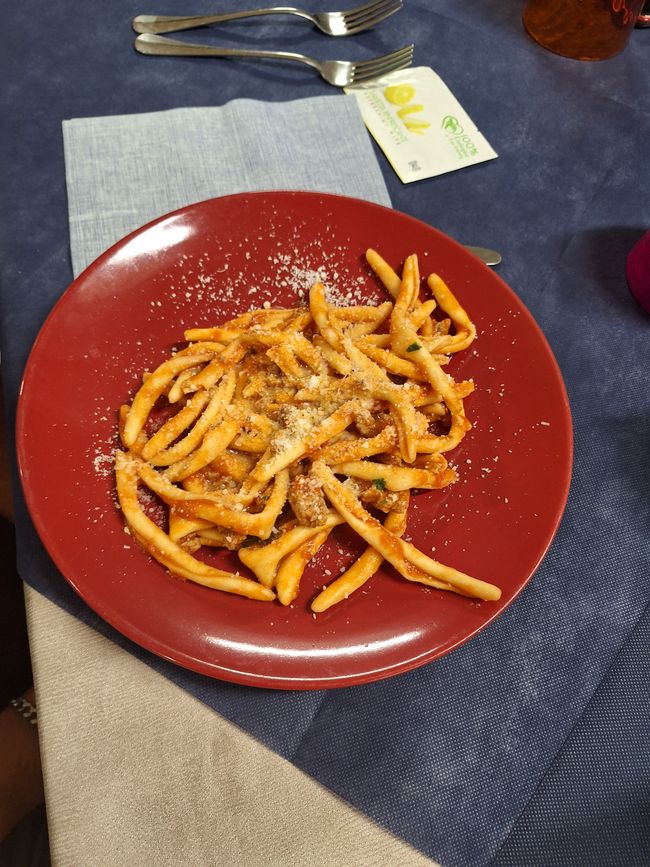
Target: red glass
{"x": 582, "y": 29}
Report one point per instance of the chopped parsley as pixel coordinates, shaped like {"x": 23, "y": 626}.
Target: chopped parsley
{"x": 380, "y": 484}
{"x": 413, "y": 347}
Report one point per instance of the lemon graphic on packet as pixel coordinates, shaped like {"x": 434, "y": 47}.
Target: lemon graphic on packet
{"x": 417, "y": 126}
{"x": 409, "y": 109}
{"x": 400, "y": 94}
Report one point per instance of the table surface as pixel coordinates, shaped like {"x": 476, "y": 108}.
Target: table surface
{"x": 564, "y": 202}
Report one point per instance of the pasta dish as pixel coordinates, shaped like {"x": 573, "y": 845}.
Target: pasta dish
{"x": 283, "y": 423}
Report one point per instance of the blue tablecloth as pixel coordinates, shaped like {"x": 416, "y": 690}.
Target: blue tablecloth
{"x": 540, "y": 751}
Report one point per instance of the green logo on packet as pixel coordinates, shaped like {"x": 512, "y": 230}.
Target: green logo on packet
{"x": 449, "y": 122}
{"x": 457, "y": 138}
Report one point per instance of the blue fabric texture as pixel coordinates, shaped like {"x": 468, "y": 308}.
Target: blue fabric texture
{"x": 473, "y": 758}
{"x": 593, "y": 804}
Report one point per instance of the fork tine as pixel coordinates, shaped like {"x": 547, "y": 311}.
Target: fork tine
{"x": 405, "y": 53}
{"x": 382, "y": 65}
{"x": 382, "y": 57}
{"x": 372, "y": 76}
{"x": 351, "y": 29}
{"x": 369, "y": 9}
{"x": 364, "y": 16}
{"x": 366, "y": 7}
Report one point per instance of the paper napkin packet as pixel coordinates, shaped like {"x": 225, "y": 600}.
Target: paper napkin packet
{"x": 419, "y": 124}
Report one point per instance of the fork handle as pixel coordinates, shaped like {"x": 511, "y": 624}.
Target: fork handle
{"x": 169, "y": 23}
{"x": 150, "y": 43}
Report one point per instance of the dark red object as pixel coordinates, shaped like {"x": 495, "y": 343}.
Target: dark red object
{"x": 582, "y": 29}
{"x": 638, "y": 271}
{"x": 200, "y": 266}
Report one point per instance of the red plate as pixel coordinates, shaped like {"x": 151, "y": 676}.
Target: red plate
{"x": 200, "y": 266}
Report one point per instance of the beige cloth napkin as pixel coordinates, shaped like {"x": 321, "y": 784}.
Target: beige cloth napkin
{"x": 138, "y": 772}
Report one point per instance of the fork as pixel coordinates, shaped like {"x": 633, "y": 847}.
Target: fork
{"x": 340, "y": 73}
{"x": 331, "y": 23}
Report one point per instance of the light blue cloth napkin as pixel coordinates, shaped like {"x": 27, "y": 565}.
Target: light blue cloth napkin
{"x": 126, "y": 170}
